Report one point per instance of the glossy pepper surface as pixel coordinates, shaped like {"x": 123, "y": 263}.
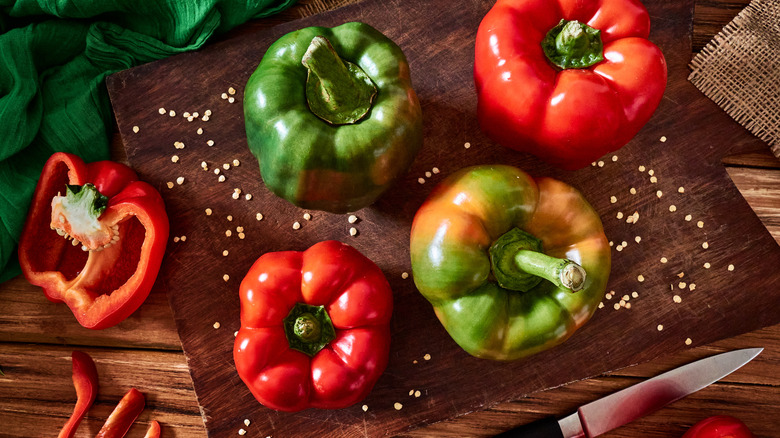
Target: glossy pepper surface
{"x": 719, "y": 426}
{"x": 85, "y": 380}
{"x": 314, "y": 327}
{"x": 566, "y": 80}
{"x": 332, "y": 117}
{"x": 94, "y": 238}
{"x": 511, "y": 264}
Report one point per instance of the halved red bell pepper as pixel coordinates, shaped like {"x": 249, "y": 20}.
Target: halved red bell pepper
{"x": 566, "y": 80}
{"x": 94, "y": 238}
{"x": 85, "y": 380}
{"x": 314, "y": 327}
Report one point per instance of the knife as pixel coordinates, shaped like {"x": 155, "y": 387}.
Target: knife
{"x": 607, "y": 413}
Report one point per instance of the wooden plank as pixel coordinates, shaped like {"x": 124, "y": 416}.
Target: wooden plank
{"x": 710, "y": 16}
{"x": 28, "y": 316}
{"x": 718, "y": 307}
{"x": 761, "y": 190}
{"x": 37, "y": 391}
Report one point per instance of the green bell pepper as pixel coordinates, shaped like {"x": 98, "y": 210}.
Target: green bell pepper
{"x": 332, "y": 117}
{"x": 511, "y": 264}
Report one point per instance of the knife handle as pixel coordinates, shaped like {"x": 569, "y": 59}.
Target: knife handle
{"x": 545, "y": 428}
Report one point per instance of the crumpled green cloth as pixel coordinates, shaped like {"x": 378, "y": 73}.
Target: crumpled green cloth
{"x": 54, "y": 57}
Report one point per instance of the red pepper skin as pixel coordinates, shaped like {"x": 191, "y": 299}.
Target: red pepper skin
{"x": 85, "y": 380}
{"x": 153, "y": 431}
{"x": 359, "y": 301}
{"x": 123, "y": 416}
{"x": 569, "y": 117}
{"x": 102, "y": 288}
{"x": 719, "y": 426}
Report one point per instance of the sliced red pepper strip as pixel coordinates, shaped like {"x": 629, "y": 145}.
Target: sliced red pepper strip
{"x": 94, "y": 238}
{"x": 153, "y": 431}
{"x": 85, "y": 380}
{"x": 123, "y": 416}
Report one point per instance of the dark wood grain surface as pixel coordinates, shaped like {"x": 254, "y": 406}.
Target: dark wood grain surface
{"x": 747, "y": 394}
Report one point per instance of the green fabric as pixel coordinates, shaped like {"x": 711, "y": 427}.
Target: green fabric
{"x": 54, "y": 57}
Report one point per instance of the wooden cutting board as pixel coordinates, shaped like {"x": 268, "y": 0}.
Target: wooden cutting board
{"x": 736, "y": 292}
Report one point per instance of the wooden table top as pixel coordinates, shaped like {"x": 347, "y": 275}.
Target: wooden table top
{"x": 37, "y": 338}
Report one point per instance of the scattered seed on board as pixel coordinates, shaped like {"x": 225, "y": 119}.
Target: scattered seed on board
{"x": 421, "y": 180}
{"x": 612, "y": 199}
{"x": 681, "y": 189}
{"x": 428, "y": 174}
{"x": 624, "y": 244}
{"x": 239, "y": 229}
{"x": 228, "y": 233}
{"x": 616, "y": 306}
{"x": 225, "y": 253}
{"x": 651, "y": 172}
{"x": 259, "y": 216}
{"x": 209, "y": 211}
{"x": 611, "y": 243}
{"x": 195, "y": 114}
{"x": 417, "y": 394}
{"x": 682, "y": 285}
{"x": 628, "y": 305}
{"x": 169, "y": 184}
{"x": 226, "y": 166}
{"x": 466, "y": 145}
{"x": 224, "y": 95}
{"x": 176, "y": 239}
{"x": 672, "y": 208}
{"x": 404, "y": 275}
{"x": 236, "y": 162}
{"x": 664, "y": 260}
{"x": 427, "y": 356}
{"x": 230, "y": 218}
{"x": 217, "y": 171}
{"x": 136, "y": 129}
{"x": 411, "y": 392}
{"x": 241, "y": 236}
{"x": 601, "y": 305}
{"x": 640, "y": 278}
{"x": 248, "y": 196}
{"x": 204, "y": 165}
{"x": 634, "y": 294}
{"x": 600, "y": 163}
{"x": 231, "y": 99}
{"x": 161, "y": 111}
{"x": 632, "y": 191}
{"x": 637, "y": 239}
{"x": 247, "y": 422}
{"x": 352, "y": 219}
{"x": 353, "y": 231}
{"x": 688, "y": 341}
{"x": 216, "y": 325}
{"x": 241, "y": 432}
{"x": 180, "y": 180}
{"x": 175, "y": 159}
{"x": 221, "y": 178}
{"x": 663, "y": 139}
{"x": 207, "y": 112}
{"x": 306, "y": 216}
{"x": 653, "y": 179}
{"x": 210, "y": 142}
{"x": 178, "y": 145}
{"x": 231, "y": 90}
{"x": 593, "y": 164}
{"x": 619, "y": 215}
{"x": 235, "y": 333}
{"x": 365, "y": 408}
{"x": 296, "y": 225}
{"x": 625, "y": 298}
{"x": 692, "y": 286}
{"x": 660, "y": 327}
{"x": 730, "y": 268}
{"x": 707, "y": 265}
{"x": 641, "y": 168}
{"x": 199, "y": 131}
{"x": 172, "y": 113}
{"x": 435, "y": 170}
{"x": 226, "y": 277}
{"x": 688, "y": 218}
{"x": 614, "y": 158}
{"x": 677, "y": 299}
{"x": 398, "y": 406}
{"x": 236, "y": 195}
{"x": 659, "y": 193}
{"x": 700, "y": 224}
{"x": 190, "y": 118}
{"x": 705, "y": 245}
{"x": 619, "y": 248}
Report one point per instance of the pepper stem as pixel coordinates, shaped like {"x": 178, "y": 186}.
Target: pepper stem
{"x": 519, "y": 264}
{"x": 337, "y": 91}
{"x": 571, "y": 44}
{"x": 308, "y": 328}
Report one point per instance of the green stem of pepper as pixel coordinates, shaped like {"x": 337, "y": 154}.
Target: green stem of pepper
{"x": 520, "y": 264}
{"x": 571, "y": 44}
{"x": 308, "y": 328}
{"x": 337, "y": 91}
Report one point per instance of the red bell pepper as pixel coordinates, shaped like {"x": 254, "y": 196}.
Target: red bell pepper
{"x": 566, "y": 80}
{"x": 153, "y": 431}
{"x": 719, "y": 426}
{"x": 85, "y": 380}
{"x": 98, "y": 247}
{"x": 314, "y": 327}
{"x": 123, "y": 416}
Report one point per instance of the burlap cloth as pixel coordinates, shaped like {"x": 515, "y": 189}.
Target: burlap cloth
{"x": 740, "y": 70}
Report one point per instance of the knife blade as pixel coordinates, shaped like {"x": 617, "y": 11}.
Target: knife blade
{"x": 622, "y": 407}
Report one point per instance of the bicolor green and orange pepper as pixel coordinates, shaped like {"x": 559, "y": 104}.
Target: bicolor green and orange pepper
{"x": 512, "y": 265}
